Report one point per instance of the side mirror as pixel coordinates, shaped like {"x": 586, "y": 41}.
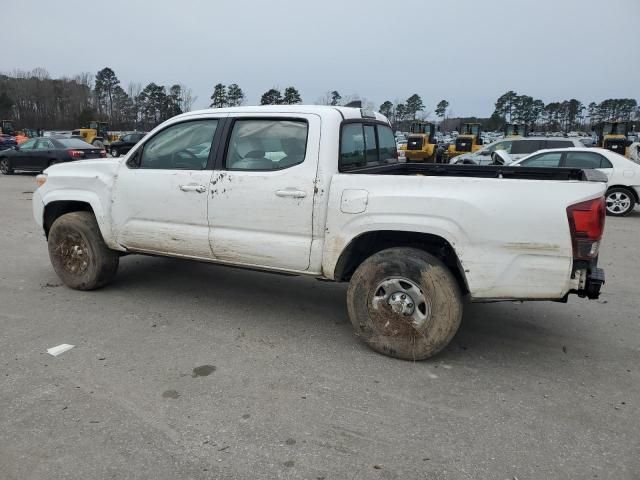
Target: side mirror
{"x": 500, "y": 157}
{"x": 134, "y": 160}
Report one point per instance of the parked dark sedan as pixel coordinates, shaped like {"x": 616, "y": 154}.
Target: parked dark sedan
{"x": 7, "y": 141}
{"x": 125, "y": 143}
{"x": 36, "y": 154}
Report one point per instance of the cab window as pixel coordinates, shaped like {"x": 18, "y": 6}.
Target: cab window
{"x": 364, "y": 145}
{"x": 184, "y": 146}
{"x": 550, "y": 159}
{"x": 266, "y": 144}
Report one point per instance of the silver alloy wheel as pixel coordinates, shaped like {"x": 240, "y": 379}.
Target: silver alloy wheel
{"x": 4, "y": 166}
{"x": 402, "y": 303}
{"x": 114, "y": 152}
{"x": 618, "y": 202}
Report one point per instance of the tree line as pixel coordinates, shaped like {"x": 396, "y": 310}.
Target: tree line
{"x": 32, "y": 99}
{"x": 510, "y": 107}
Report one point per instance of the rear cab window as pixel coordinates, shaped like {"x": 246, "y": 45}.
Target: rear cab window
{"x": 366, "y": 144}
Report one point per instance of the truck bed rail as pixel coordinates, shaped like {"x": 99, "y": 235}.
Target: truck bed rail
{"x": 484, "y": 171}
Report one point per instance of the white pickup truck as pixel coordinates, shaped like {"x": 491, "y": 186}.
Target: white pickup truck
{"x": 319, "y": 191}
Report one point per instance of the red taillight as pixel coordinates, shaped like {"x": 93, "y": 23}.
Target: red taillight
{"x": 103, "y": 153}
{"x": 76, "y": 153}
{"x": 586, "y": 222}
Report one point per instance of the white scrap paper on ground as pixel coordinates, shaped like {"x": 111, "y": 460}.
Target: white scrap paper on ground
{"x": 55, "y": 351}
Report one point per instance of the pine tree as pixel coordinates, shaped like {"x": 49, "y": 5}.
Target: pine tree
{"x": 235, "y": 95}
{"x": 271, "y": 97}
{"x": 219, "y": 97}
{"x": 291, "y": 96}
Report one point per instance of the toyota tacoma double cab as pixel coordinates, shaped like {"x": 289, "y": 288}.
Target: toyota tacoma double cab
{"x": 319, "y": 191}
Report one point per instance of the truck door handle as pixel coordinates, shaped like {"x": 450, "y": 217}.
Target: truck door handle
{"x": 193, "y": 188}
{"x": 291, "y": 193}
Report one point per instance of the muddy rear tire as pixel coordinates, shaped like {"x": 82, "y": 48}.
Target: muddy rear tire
{"x": 404, "y": 303}
{"x": 78, "y": 253}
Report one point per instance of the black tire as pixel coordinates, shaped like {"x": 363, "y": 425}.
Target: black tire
{"x": 115, "y": 153}
{"x": 392, "y": 333}
{"x": 78, "y": 253}
{"x": 5, "y": 166}
{"x": 619, "y": 201}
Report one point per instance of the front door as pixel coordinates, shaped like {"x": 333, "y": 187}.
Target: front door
{"x": 261, "y": 202}
{"x": 22, "y": 159}
{"x": 160, "y": 197}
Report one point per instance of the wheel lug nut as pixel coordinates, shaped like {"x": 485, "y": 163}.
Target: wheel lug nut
{"x": 410, "y": 305}
{"x": 403, "y": 296}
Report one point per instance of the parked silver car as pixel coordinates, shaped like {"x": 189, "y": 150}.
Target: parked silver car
{"x": 516, "y": 147}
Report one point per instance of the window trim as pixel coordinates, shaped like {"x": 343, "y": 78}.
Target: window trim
{"x": 213, "y": 151}
{"x": 363, "y": 121}
{"x": 221, "y": 159}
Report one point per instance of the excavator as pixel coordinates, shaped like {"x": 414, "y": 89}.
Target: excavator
{"x": 612, "y": 135}
{"x": 468, "y": 140}
{"x": 514, "y": 130}
{"x": 421, "y": 145}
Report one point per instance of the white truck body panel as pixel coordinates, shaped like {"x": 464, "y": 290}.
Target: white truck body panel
{"x": 511, "y": 236}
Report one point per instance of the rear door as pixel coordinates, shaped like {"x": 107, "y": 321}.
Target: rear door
{"x": 42, "y": 154}
{"x": 261, "y": 202}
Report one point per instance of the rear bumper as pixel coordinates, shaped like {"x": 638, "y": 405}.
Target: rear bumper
{"x": 592, "y": 284}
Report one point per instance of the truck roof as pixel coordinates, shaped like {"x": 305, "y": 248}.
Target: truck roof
{"x": 322, "y": 110}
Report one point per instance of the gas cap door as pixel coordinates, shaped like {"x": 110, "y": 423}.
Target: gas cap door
{"x": 354, "y": 201}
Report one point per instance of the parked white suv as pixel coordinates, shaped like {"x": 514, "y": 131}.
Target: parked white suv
{"x": 516, "y": 147}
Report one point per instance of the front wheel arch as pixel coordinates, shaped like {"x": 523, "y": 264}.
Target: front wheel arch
{"x": 54, "y": 210}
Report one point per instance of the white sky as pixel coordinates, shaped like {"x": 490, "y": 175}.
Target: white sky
{"x": 466, "y": 51}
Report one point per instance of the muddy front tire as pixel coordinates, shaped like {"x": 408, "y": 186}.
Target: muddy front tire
{"x": 404, "y": 303}
{"x": 78, "y": 253}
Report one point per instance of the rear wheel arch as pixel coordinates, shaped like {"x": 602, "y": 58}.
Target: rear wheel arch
{"x": 369, "y": 243}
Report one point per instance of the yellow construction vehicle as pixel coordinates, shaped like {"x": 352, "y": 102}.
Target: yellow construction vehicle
{"x": 514, "y": 130}
{"x": 6, "y": 127}
{"x": 421, "y": 145}
{"x": 468, "y": 140}
{"x": 612, "y": 135}
{"x": 97, "y": 134}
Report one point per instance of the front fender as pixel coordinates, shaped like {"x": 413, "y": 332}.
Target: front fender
{"x": 84, "y": 196}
